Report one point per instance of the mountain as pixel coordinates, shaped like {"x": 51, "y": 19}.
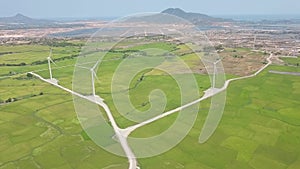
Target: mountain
{"x": 201, "y": 20}
{"x": 195, "y": 18}
{"x": 21, "y": 19}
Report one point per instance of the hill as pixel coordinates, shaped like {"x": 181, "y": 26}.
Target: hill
{"x": 20, "y": 21}
{"x": 195, "y": 18}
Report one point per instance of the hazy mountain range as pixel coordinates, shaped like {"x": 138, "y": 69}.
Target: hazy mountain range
{"x": 194, "y": 17}
{"x": 20, "y": 21}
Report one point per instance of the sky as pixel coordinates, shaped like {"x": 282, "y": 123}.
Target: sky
{"x": 119, "y": 8}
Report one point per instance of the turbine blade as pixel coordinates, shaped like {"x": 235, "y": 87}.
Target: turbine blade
{"x": 53, "y": 62}
{"x": 95, "y": 76}
{"x": 49, "y": 57}
{"x": 50, "y": 54}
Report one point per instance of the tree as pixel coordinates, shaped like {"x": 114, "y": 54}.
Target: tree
{"x": 29, "y": 75}
{"x": 8, "y": 100}
{"x": 265, "y": 53}
{"x": 219, "y": 47}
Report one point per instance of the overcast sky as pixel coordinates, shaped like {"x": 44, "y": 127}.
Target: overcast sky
{"x": 107, "y": 8}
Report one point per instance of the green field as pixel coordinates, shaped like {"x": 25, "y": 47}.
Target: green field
{"x": 291, "y": 61}
{"x": 43, "y": 131}
{"x": 259, "y": 129}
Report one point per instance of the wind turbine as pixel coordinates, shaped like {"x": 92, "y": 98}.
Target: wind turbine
{"x": 295, "y": 52}
{"x": 215, "y": 72}
{"x": 93, "y": 74}
{"x": 254, "y": 42}
{"x": 49, "y": 63}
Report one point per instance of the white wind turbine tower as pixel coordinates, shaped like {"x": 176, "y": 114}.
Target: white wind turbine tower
{"x": 295, "y": 52}
{"x": 94, "y": 76}
{"x": 213, "y": 89}
{"x": 215, "y": 72}
{"x": 53, "y": 80}
{"x": 254, "y": 42}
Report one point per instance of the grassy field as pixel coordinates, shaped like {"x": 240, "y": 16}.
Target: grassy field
{"x": 259, "y": 130}
{"x": 43, "y": 132}
{"x": 291, "y": 61}
{"x": 30, "y": 53}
